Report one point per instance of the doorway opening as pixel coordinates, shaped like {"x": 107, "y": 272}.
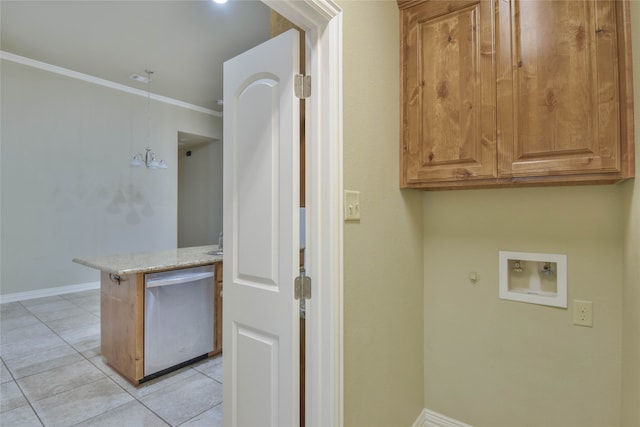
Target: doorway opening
{"x": 199, "y": 190}
{"x": 322, "y": 22}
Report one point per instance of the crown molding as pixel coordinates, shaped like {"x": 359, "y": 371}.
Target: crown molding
{"x": 8, "y": 56}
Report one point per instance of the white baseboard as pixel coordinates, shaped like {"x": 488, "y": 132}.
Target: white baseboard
{"x": 40, "y": 293}
{"x": 429, "y": 418}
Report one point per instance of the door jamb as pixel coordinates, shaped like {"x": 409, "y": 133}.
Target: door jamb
{"x": 322, "y": 22}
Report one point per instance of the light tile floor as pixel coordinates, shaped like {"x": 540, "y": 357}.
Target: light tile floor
{"x": 52, "y": 373}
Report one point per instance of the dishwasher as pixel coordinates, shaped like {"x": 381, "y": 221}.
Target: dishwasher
{"x": 178, "y": 318}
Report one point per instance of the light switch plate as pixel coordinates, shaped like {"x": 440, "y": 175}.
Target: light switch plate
{"x": 351, "y": 205}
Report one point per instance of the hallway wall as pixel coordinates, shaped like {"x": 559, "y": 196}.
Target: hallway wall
{"x": 200, "y": 195}
{"x": 631, "y": 284}
{"x": 383, "y": 383}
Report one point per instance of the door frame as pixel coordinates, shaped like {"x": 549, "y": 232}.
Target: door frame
{"x": 322, "y": 22}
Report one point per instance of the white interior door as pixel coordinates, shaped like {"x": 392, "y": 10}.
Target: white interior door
{"x": 261, "y": 228}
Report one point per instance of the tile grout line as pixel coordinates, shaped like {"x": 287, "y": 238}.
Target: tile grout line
{"x": 75, "y": 350}
{"x": 13, "y": 378}
{"x": 105, "y": 373}
{"x": 27, "y": 399}
{"x": 197, "y": 415}
{"x": 88, "y": 358}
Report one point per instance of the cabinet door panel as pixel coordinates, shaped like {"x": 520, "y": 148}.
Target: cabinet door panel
{"x": 558, "y": 88}
{"x": 449, "y": 89}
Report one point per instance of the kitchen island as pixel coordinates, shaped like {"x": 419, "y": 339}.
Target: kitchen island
{"x": 122, "y": 302}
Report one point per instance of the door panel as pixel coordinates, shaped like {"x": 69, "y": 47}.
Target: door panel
{"x": 261, "y": 226}
{"x": 256, "y": 186}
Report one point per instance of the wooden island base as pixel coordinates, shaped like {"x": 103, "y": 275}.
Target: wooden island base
{"x": 122, "y": 322}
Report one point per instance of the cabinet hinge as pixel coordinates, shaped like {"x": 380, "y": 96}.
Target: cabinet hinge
{"x": 302, "y": 86}
{"x": 302, "y": 287}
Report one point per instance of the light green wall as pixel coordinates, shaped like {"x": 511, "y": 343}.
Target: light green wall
{"x": 66, "y": 186}
{"x": 383, "y": 382}
{"x": 492, "y": 362}
{"x": 631, "y": 285}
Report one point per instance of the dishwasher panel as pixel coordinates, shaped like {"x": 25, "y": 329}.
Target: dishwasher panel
{"x": 178, "y": 317}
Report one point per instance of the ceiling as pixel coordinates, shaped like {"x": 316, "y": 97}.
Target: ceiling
{"x": 184, "y": 42}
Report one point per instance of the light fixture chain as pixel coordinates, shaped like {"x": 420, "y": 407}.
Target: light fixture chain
{"x": 149, "y": 158}
{"x": 149, "y": 73}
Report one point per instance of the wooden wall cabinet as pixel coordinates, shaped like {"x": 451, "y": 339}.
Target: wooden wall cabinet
{"x": 512, "y": 92}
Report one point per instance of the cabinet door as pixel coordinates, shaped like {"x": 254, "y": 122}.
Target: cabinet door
{"x": 558, "y": 101}
{"x": 449, "y": 93}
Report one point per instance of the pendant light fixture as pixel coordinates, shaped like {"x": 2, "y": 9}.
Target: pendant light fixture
{"x": 148, "y": 159}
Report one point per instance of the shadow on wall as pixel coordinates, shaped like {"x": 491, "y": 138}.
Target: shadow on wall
{"x": 121, "y": 198}
{"x": 131, "y": 198}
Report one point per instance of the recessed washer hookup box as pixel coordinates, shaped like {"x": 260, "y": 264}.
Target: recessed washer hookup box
{"x": 535, "y": 278}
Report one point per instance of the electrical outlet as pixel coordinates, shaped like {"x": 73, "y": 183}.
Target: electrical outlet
{"x": 582, "y": 313}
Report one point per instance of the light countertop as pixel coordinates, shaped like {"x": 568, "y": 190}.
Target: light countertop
{"x": 149, "y": 262}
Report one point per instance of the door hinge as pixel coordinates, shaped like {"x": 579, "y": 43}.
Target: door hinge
{"x": 302, "y": 86}
{"x": 302, "y": 287}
